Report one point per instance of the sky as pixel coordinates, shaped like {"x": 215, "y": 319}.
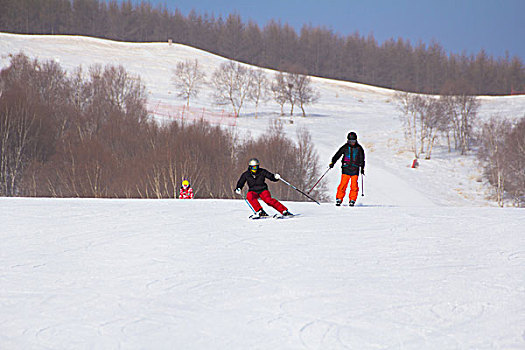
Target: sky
{"x": 460, "y": 26}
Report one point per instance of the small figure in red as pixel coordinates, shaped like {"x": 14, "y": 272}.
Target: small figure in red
{"x": 186, "y": 192}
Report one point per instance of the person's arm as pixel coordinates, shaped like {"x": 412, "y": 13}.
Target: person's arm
{"x": 270, "y": 176}
{"x": 336, "y": 156}
{"x": 241, "y": 182}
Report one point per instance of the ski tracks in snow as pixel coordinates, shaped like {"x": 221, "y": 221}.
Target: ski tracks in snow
{"x": 142, "y": 274}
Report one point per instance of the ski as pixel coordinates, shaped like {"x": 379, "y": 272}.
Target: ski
{"x": 280, "y": 216}
{"x": 257, "y": 217}
{"x": 276, "y": 216}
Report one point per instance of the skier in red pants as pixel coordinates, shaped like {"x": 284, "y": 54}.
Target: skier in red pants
{"x": 257, "y": 188}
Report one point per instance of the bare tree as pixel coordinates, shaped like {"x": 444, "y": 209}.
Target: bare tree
{"x": 463, "y": 112}
{"x": 289, "y": 91}
{"x": 259, "y": 88}
{"x": 309, "y": 159}
{"x": 188, "y": 78}
{"x": 514, "y": 162}
{"x": 15, "y": 141}
{"x": 303, "y": 91}
{"x": 424, "y": 117}
{"x": 123, "y": 90}
{"x": 462, "y": 107}
{"x": 410, "y": 117}
{"x": 279, "y": 91}
{"x": 232, "y": 84}
{"x": 294, "y": 87}
{"x": 431, "y": 119}
{"x": 492, "y": 153}
{"x": 27, "y": 121}
{"x": 435, "y": 121}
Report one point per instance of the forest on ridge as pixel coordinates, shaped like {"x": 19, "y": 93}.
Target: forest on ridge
{"x": 396, "y": 63}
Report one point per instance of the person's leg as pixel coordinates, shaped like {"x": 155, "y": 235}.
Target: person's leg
{"x": 252, "y": 199}
{"x": 267, "y": 198}
{"x": 341, "y": 189}
{"x": 354, "y": 187}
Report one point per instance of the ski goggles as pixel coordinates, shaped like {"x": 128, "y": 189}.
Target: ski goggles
{"x": 253, "y": 167}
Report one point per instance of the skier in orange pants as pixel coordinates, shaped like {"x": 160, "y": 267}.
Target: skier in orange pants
{"x": 353, "y": 159}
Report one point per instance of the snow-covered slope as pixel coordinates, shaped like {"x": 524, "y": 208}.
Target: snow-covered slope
{"x": 197, "y": 274}
{"x": 371, "y": 112}
{"x": 418, "y": 264}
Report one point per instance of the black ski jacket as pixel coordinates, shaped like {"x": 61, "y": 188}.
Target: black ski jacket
{"x": 256, "y": 182}
{"x": 353, "y": 158}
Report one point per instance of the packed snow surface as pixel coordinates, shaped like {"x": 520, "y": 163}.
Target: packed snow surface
{"x": 424, "y": 261}
{"x": 198, "y": 274}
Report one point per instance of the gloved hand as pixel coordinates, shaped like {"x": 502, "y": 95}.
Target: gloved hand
{"x": 238, "y": 190}
{"x": 277, "y": 176}
{"x": 363, "y": 171}
{"x": 331, "y": 165}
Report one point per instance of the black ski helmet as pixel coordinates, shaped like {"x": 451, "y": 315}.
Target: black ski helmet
{"x": 253, "y": 165}
{"x": 352, "y": 136}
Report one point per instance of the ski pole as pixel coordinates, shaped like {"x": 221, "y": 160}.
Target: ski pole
{"x": 298, "y": 190}
{"x": 249, "y": 205}
{"x": 246, "y": 200}
{"x": 363, "y": 185}
{"x": 327, "y": 170}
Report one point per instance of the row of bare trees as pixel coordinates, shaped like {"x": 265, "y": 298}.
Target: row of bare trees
{"x": 395, "y": 63}
{"x": 426, "y": 118}
{"x": 234, "y": 84}
{"x": 502, "y": 153}
{"x": 294, "y": 88}
{"x": 88, "y": 135}
{"x": 452, "y": 116}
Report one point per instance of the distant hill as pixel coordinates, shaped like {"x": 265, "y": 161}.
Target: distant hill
{"x": 395, "y": 63}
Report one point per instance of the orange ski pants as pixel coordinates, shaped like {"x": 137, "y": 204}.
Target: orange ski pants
{"x": 354, "y": 187}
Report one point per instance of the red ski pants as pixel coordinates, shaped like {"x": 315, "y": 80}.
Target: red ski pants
{"x": 253, "y": 199}
{"x": 354, "y": 187}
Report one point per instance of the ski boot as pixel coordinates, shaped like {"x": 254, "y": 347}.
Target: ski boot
{"x": 352, "y": 203}
{"x": 287, "y": 213}
{"x": 261, "y": 213}
{"x": 338, "y": 202}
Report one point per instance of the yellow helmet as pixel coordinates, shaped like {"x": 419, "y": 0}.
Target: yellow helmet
{"x": 185, "y": 183}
